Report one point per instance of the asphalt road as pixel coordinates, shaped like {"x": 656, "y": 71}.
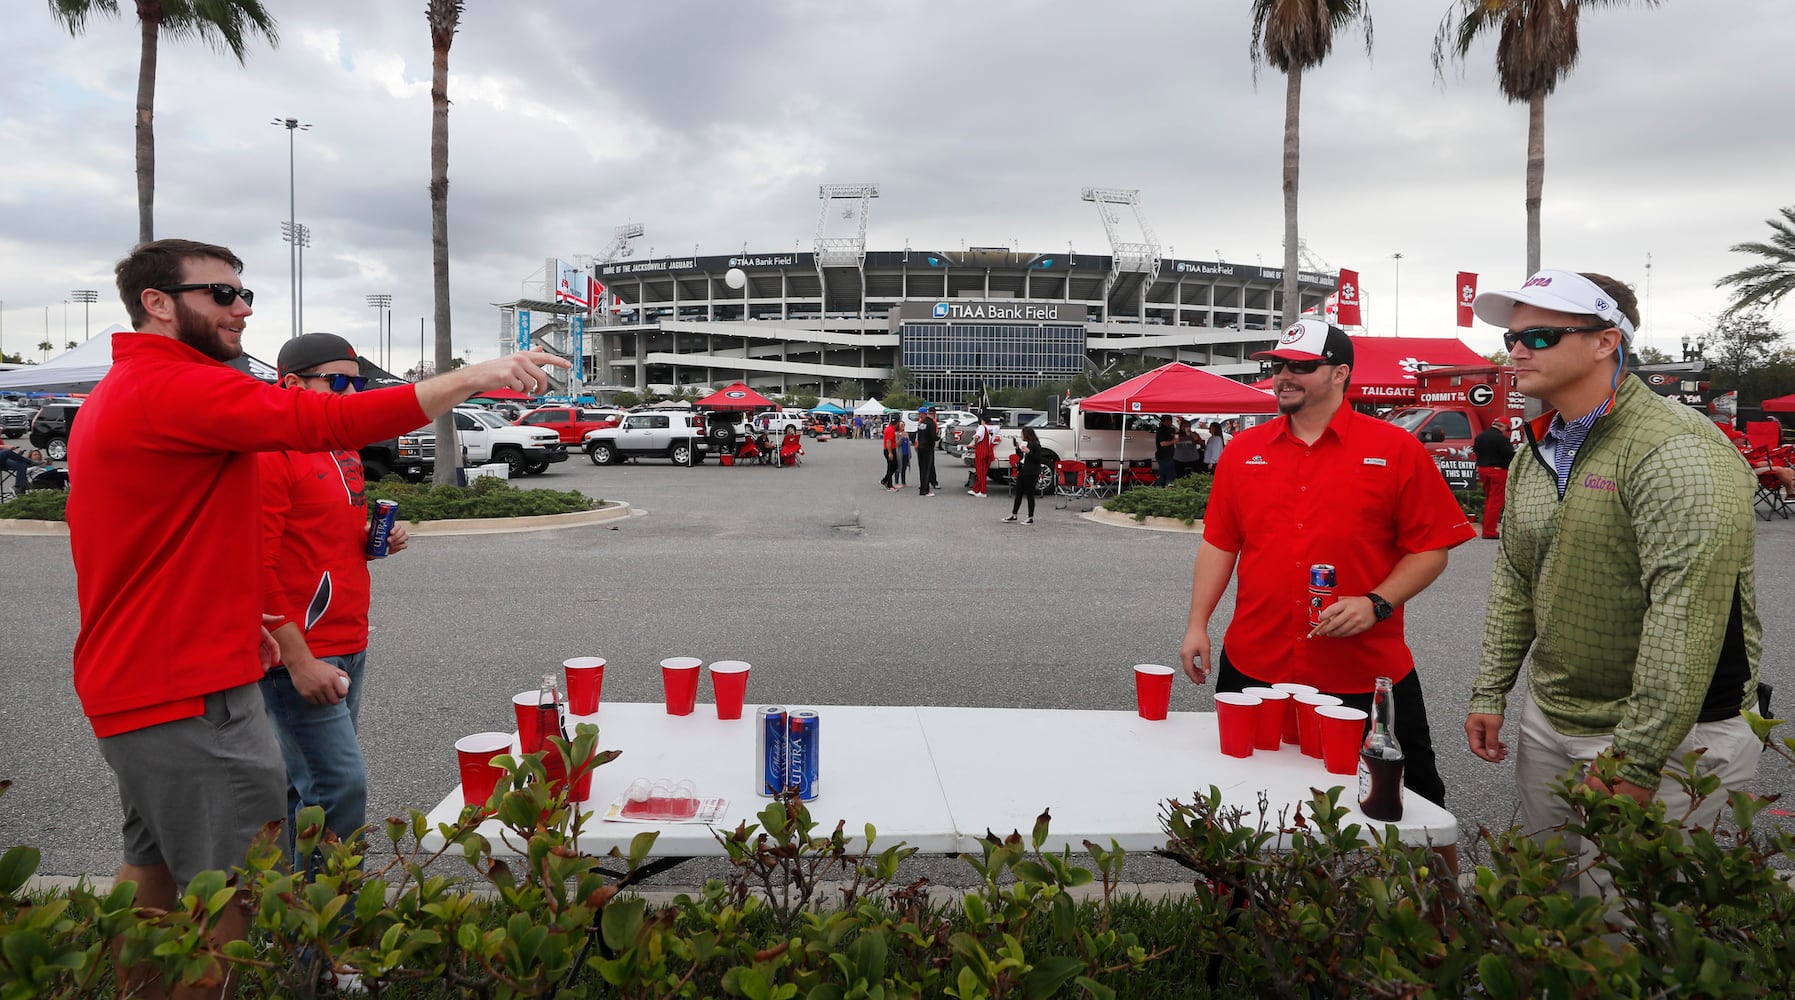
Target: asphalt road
{"x": 837, "y": 592}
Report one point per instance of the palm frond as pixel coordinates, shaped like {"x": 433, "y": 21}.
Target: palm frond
{"x": 1766, "y": 283}
{"x": 1299, "y": 34}
{"x": 74, "y": 13}
{"x": 227, "y": 26}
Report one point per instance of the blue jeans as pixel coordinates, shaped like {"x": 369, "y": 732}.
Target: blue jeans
{"x": 318, "y": 743}
{"x": 17, "y": 464}
{"x": 1168, "y": 472}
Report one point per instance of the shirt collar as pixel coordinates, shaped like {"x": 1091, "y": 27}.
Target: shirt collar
{"x": 1337, "y": 425}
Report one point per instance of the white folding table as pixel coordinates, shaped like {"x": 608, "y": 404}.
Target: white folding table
{"x": 939, "y": 778}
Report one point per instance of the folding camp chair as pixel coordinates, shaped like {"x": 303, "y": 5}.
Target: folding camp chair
{"x": 1770, "y": 500}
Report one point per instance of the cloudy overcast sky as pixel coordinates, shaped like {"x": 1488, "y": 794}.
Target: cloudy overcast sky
{"x": 712, "y": 124}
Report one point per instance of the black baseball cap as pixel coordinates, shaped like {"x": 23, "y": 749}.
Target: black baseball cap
{"x": 309, "y": 350}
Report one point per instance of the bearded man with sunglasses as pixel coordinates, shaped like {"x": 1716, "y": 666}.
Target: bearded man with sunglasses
{"x": 168, "y": 560}
{"x": 1625, "y": 577}
{"x": 1323, "y": 483}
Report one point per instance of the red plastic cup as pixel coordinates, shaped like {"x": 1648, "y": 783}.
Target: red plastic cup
{"x": 729, "y": 683}
{"x": 1291, "y": 734}
{"x": 478, "y": 776}
{"x": 1237, "y": 717}
{"x": 1308, "y": 723}
{"x": 527, "y": 706}
{"x": 679, "y": 674}
{"x": 585, "y": 681}
{"x": 1342, "y": 733}
{"x": 1152, "y": 690}
{"x": 1270, "y": 732}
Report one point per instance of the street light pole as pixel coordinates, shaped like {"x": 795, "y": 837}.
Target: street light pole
{"x": 381, "y": 302}
{"x": 87, "y": 297}
{"x": 292, "y": 125}
{"x": 1396, "y": 305}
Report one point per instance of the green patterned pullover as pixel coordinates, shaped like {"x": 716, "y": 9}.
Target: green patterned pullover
{"x": 1623, "y": 590}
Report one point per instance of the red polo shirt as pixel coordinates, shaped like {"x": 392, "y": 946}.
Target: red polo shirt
{"x": 1364, "y": 495}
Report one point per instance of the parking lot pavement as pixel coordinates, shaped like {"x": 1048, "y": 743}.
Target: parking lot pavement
{"x": 837, "y": 591}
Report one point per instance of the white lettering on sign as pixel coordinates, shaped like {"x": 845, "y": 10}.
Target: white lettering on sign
{"x": 1005, "y": 310}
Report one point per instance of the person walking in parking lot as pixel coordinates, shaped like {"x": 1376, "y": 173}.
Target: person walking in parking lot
{"x": 314, "y": 537}
{"x": 903, "y": 451}
{"x": 928, "y": 438}
{"x": 1323, "y": 484}
{"x": 1494, "y": 453}
{"x": 1028, "y": 475}
{"x": 984, "y": 449}
{"x": 891, "y": 435}
{"x": 172, "y": 638}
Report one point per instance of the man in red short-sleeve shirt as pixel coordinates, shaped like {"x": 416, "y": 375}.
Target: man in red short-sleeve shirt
{"x": 1324, "y": 484}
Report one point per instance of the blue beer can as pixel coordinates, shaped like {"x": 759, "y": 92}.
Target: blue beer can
{"x": 380, "y": 533}
{"x": 769, "y": 753}
{"x": 804, "y": 754}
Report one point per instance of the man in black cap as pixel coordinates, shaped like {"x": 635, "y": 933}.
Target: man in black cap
{"x": 315, "y": 580}
{"x": 1323, "y": 485}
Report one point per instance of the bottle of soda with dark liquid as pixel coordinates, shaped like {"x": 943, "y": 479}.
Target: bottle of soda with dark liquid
{"x": 1380, "y": 759}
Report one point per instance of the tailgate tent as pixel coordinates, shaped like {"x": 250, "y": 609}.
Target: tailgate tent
{"x": 1384, "y": 368}
{"x": 1779, "y": 404}
{"x": 870, "y": 408}
{"x": 1180, "y": 388}
{"x": 737, "y": 398}
{"x": 81, "y": 369}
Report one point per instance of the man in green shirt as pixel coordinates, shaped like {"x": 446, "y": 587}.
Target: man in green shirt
{"x": 1625, "y": 577}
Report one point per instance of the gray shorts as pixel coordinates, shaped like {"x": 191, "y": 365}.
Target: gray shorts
{"x": 196, "y": 792}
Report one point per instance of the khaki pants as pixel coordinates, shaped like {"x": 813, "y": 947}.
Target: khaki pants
{"x": 1545, "y": 754}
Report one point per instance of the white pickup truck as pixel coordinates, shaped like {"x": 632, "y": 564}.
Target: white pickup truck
{"x": 1088, "y": 436}
{"x": 486, "y": 437}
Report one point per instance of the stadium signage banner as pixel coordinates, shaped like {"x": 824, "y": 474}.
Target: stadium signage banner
{"x": 959, "y": 310}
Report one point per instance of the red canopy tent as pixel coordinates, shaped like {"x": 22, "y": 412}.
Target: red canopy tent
{"x": 737, "y": 398}
{"x": 1179, "y": 388}
{"x": 1384, "y": 368}
{"x": 511, "y": 395}
{"x": 1779, "y": 404}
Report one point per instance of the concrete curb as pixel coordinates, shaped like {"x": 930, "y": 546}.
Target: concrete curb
{"x": 612, "y": 511}
{"x": 1118, "y": 519}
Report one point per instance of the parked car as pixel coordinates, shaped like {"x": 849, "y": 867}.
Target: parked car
{"x": 15, "y": 421}
{"x": 50, "y": 429}
{"x": 570, "y": 423}
{"x": 411, "y": 457}
{"x": 670, "y": 434}
{"x": 778, "y": 421}
{"x": 486, "y": 437}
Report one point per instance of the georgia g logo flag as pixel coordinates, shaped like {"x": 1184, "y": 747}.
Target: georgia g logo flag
{"x": 1467, "y": 294}
{"x": 1348, "y": 290}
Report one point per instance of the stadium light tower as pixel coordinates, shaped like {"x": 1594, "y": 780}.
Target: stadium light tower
{"x": 383, "y": 303}
{"x": 843, "y": 251}
{"x": 1125, "y": 257}
{"x": 87, "y": 297}
{"x": 292, "y": 125}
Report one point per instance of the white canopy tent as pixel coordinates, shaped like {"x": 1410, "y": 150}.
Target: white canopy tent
{"x": 79, "y": 370}
{"x": 870, "y": 408}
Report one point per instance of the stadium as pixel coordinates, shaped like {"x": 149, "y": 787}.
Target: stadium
{"x": 839, "y": 319}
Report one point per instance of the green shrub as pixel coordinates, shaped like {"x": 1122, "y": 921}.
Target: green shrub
{"x": 1186, "y": 499}
{"x": 37, "y": 505}
{"x": 1472, "y": 503}
{"x": 488, "y": 497}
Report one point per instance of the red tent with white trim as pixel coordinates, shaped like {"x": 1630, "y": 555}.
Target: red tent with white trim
{"x": 737, "y": 398}
{"x": 1180, "y": 388}
{"x": 1384, "y": 368}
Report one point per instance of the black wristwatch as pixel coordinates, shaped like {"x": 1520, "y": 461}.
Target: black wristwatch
{"x": 1381, "y": 608}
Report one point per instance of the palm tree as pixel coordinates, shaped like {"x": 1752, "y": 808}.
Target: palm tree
{"x": 1764, "y": 285}
{"x": 226, "y": 25}
{"x": 1536, "y": 48}
{"x": 1296, "y": 36}
{"x": 46, "y": 347}
{"x": 445, "y": 18}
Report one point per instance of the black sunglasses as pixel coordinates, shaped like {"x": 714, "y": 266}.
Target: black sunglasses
{"x": 1538, "y": 338}
{"x": 222, "y": 293}
{"x": 338, "y": 382}
{"x": 1295, "y": 367}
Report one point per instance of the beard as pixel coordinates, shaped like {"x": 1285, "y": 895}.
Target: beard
{"x": 202, "y": 334}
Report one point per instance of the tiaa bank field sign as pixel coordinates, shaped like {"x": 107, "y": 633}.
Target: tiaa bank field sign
{"x": 975, "y": 310}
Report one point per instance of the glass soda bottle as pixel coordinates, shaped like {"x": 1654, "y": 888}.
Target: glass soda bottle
{"x": 551, "y": 709}
{"x": 1380, "y": 759}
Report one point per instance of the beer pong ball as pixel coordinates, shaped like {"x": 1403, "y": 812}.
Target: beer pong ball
{"x": 1342, "y": 731}
{"x": 1152, "y": 690}
{"x": 1291, "y": 734}
{"x": 1236, "y": 717}
{"x": 1269, "y": 734}
{"x": 585, "y": 682}
{"x": 729, "y": 683}
{"x": 639, "y": 790}
{"x": 679, "y": 674}
{"x": 475, "y": 754}
{"x": 1308, "y": 723}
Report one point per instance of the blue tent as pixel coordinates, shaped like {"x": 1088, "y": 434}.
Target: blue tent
{"x": 829, "y": 408}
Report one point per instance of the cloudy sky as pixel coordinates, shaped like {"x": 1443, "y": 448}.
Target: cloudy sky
{"x": 712, "y": 123}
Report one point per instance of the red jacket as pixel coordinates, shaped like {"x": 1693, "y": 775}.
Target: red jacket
{"x": 314, "y": 547}
{"x": 164, "y": 521}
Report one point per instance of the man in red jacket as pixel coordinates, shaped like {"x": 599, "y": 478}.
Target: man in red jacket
{"x": 314, "y": 538}
{"x": 169, "y": 579}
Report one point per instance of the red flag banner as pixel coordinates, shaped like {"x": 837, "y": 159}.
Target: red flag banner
{"x": 1348, "y": 290}
{"x": 1467, "y": 294}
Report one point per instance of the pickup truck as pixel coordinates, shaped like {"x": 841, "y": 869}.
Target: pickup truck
{"x": 671, "y": 434}
{"x": 1092, "y": 436}
{"x": 571, "y": 424}
{"x": 486, "y": 437}
{"x": 411, "y": 457}
{"x": 1457, "y": 403}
